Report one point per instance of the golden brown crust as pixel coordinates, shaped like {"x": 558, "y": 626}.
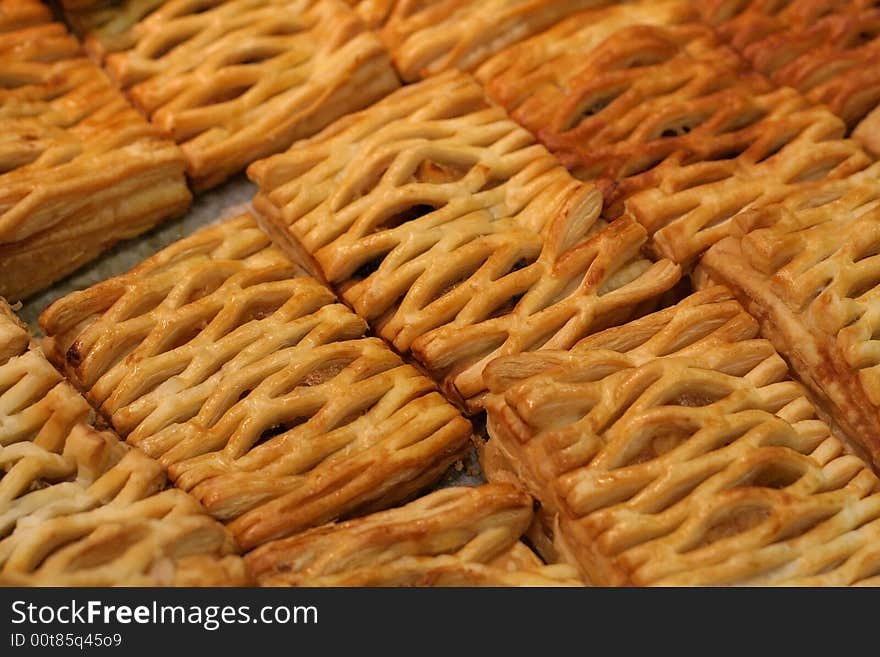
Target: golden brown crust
{"x": 14, "y": 336}
{"x": 456, "y": 236}
{"x": 452, "y": 537}
{"x": 79, "y": 168}
{"x": 676, "y": 451}
{"x": 867, "y": 133}
{"x": 668, "y": 122}
{"x": 240, "y": 80}
{"x": 79, "y": 508}
{"x": 252, "y": 385}
{"x": 826, "y": 50}
{"x": 426, "y": 38}
{"x": 805, "y": 269}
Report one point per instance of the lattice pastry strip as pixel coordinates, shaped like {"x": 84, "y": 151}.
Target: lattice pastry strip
{"x": 676, "y": 450}
{"x": 452, "y": 537}
{"x": 827, "y": 50}
{"x": 426, "y": 38}
{"x": 457, "y": 237}
{"x": 373, "y": 12}
{"x": 79, "y": 167}
{"x": 237, "y": 80}
{"x": 667, "y": 121}
{"x": 808, "y": 270}
{"x": 257, "y": 391}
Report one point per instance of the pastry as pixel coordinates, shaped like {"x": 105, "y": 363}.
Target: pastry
{"x": 252, "y": 386}
{"x": 675, "y": 450}
{"x": 808, "y": 270}
{"x": 458, "y": 238}
{"x": 826, "y": 50}
{"x": 426, "y": 38}
{"x": 373, "y": 12}
{"x": 80, "y": 169}
{"x": 14, "y": 335}
{"x": 667, "y": 121}
{"x": 241, "y": 79}
{"x": 867, "y": 133}
{"x": 452, "y": 537}
{"x": 78, "y": 507}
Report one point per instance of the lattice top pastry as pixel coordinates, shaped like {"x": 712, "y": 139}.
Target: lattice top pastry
{"x": 75, "y": 158}
{"x": 77, "y": 507}
{"x": 454, "y": 234}
{"x": 666, "y": 120}
{"x": 827, "y": 50}
{"x": 453, "y": 537}
{"x": 809, "y": 270}
{"x": 426, "y": 38}
{"x": 252, "y": 385}
{"x": 676, "y": 450}
{"x": 232, "y": 81}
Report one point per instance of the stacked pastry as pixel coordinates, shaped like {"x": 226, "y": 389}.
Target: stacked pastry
{"x": 511, "y": 226}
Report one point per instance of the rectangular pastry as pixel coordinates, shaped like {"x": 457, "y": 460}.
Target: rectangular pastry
{"x": 426, "y": 38}
{"x": 78, "y": 507}
{"x": 676, "y": 450}
{"x": 808, "y": 269}
{"x": 826, "y": 50}
{"x": 252, "y": 385}
{"x": 80, "y": 169}
{"x": 235, "y": 81}
{"x": 444, "y": 225}
{"x": 666, "y": 120}
{"x": 452, "y": 537}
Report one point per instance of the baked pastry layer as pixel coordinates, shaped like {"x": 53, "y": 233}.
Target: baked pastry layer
{"x": 80, "y": 169}
{"x": 78, "y": 507}
{"x": 808, "y": 270}
{"x": 675, "y": 450}
{"x": 667, "y": 121}
{"x": 235, "y": 81}
{"x": 452, "y": 537}
{"x": 257, "y": 391}
{"x": 827, "y": 50}
{"x": 426, "y": 38}
{"x": 459, "y": 239}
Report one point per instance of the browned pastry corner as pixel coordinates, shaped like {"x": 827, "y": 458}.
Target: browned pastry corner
{"x": 827, "y": 50}
{"x": 14, "y": 336}
{"x": 452, "y": 537}
{"x": 459, "y": 239}
{"x": 808, "y": 270}
{"x": 252, "y": 386}
{"x": 426, "y": 38}
{"x": 676, "y": 450}
{"x": 78, "y": 507}
{"x": 80, "y": 169}
{"x": 238, "y": 80}
{"x": 668, "y": 122}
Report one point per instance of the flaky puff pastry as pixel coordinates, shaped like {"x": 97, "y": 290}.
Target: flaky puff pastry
{"x": 454, "y": 234}
{"x": 452, "y": 537}
{"x": 78, "y": 507}
{"x": 828, "y": 50}
{"x": 808, "y": 270}
{"x": 79, "y": 167}
{"x": 676, "y": 450}
{"x": 14, "y": 336}
{"x": 235, "y": 81}
{"x": 667, "y": 121}
{"x": 252, "y": 385}
{"x": 426, "y": 38}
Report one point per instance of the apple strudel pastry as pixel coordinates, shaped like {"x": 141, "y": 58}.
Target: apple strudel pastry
{"x": 827, "y": 50}
{"x": 235, "y": 81}
{"x": 444, "y": 224}
{"x": 252, "y": 386}
{"x": 80, "y": 169}
{"x": 426, "y": 38}
{"x": 808, "y": 270}
{"x": 452, "y": 537}
{"x": 675, "y": 450}
{"x": 78, "y": 507}
{"x": 666, "y": 121}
